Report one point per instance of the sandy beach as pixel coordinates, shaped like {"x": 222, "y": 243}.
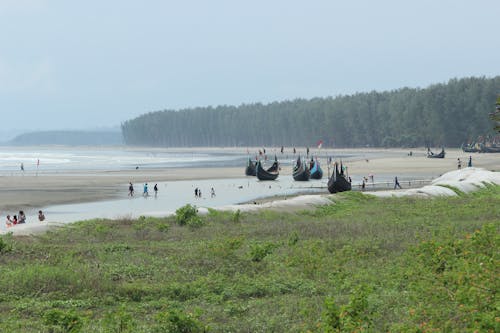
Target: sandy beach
{"x": 31, "y": 192}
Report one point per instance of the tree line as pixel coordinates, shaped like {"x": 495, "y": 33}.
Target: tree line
{"x": 446, "y": 114}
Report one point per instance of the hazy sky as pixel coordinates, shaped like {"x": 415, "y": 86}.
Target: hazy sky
{"x": 87, "y": 64}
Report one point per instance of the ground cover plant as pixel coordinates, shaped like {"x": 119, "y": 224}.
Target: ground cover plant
{"x": 362, "y": 264}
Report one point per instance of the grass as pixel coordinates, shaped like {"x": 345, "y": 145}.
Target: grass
{"x": 360, "y": 264}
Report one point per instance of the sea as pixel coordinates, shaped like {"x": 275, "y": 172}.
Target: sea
{"x": 172, "y": 194}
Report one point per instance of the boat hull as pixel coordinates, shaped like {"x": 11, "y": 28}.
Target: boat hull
{"x": 338, "y": 182}
{"x": 270, "y": 174}
{"x": 251, "y": 169}
{"x": 301, "y": 172}
{"x": 316, "y": 171}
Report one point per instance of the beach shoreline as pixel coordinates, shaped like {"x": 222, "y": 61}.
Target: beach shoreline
{"x": 30, "y": 192}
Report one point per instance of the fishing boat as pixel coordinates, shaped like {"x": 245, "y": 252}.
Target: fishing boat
{"x": 470, "y": 148}
{"x": 251, "y": 169}
{"x": 430, "y": 154}
{"x": 316, "y": 171}
{"x": 338, "y": 182}
{"x": 270, "y": 174}
{"x": 483, "y": 144}
{"x": 301, "y": 171}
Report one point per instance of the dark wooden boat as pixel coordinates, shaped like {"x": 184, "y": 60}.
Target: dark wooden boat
{"x": 338, "y": 182}
{"x": 430, "y": 154}
{"x": 270, "y": 174}
{"x": 470, "y": 148}
{"x": 316, "y": 171}
{"x": 301, "y": 171}
{"x": 251, "y": 169}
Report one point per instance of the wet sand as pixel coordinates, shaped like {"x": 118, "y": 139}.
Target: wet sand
{"x": 31, "y": 192}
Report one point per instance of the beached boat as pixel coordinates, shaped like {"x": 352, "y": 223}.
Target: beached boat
{"x": 470, "y": 148}
{"x": 251, "y": 169}
{"x": 269, "y": 174}
{"x": 338, "y": 182}
{"x": 301, "y": 171}
{"x": 430, "y": 154}
{"x": 316, "y": 171}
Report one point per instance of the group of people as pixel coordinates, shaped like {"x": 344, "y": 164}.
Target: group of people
{"x": 197, "y": 192}
{"x": 459, "y": 163}
{"x": 145, "y": 192}
{"x": 21, "y": 218}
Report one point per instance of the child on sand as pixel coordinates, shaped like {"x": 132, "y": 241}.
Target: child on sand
{"x": 41, "y": 217}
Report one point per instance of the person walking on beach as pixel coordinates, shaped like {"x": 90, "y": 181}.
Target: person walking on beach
{"x": 196, "y": 192}
{"x": 145, "y": 193}
{"x": 22, "y": 167}
{"x": 156, "y": 189}
{"x": 212, "y": 192}
{"x": 130, "y": 190}
{"x": 396, "y": 183}
{"x": 459, "y": 163}
{"x": 41, "y": 216}
{"x": 470, "y": 162}
{"x": 199, "y": 193}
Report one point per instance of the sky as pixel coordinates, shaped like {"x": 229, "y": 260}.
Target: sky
{"x": 95, "y": 64}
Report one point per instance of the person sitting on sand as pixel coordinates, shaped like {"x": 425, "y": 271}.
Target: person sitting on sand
{"x": 21, "y": 217}
{"x": 41, "y": 217}
{"x": 8, "y": 222}
{"x": 14, "y": 220}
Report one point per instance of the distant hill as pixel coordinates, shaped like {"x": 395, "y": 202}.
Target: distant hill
{"x": 440, "y": 115}
{"x": 69, "y": 138}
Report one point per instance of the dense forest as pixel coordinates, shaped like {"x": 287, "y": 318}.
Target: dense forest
{"x": 439, "y": 115}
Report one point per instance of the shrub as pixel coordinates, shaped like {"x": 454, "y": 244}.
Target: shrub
{"x": 293, "y": 238}
{"x": 259, "y": 251}
{"x": 237, "y": 216}
{"x": 195, "y": 222}
{"x": 120, "y": 322}
{"x": 175, "y": 321}
{"x": 62, "y": 321}
{"x": 185, "y": 213}
{"x": 5, "y": 246}
{"x": 352, "y": 317}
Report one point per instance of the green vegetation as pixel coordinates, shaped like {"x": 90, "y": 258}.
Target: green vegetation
{"x": 495, "y": 115}
{"x": 442, "y": 114}
{"x": 362, "y": 264}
